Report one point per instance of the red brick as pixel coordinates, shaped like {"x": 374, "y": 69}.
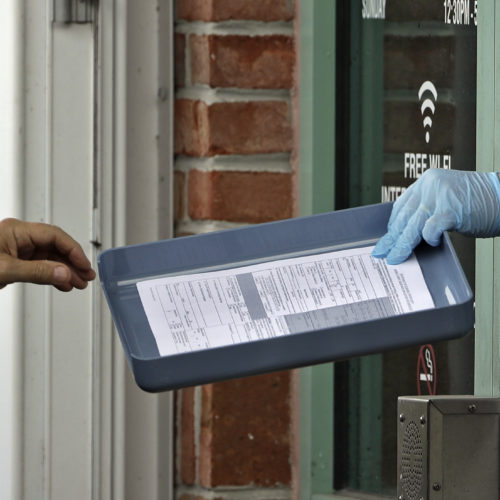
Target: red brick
{"x": 243, "y": 61}
{"x": 180, "y": 59}
{"x": 189, "y": 496}
{"x": 245, "y": 432}
{"x": 191, "y": 127}
{"x": 188, "y": 452}
{"x": 239, "y": 196}
{"x": 206, "y": 437}
{"x": 224, "y": 10}
{"x": 232, "y": 127}
{"x": 250, "y": 128}
{"x": 179, "y": 196}
{"x": 200, "y": 58}
{"x": 205, "y": 496}
{"x": 177, "y": 427}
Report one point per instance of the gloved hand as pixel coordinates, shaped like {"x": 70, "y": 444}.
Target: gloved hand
{"x": 441, "y": 200}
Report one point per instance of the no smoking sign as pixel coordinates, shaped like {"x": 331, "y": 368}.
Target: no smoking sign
{"x": 426, "y": 371}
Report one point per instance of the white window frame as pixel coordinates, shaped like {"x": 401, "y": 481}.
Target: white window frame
{"x": 10, "y": 206}
{"x": 121, "y": 446}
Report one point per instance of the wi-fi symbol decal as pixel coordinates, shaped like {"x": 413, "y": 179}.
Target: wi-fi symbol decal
{"x": 429, "y": 94}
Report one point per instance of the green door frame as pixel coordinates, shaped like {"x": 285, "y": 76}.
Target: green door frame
{"x": 317, "y": 106}
{"x": 317, "y": 194}
{"x": 487, "y": 355}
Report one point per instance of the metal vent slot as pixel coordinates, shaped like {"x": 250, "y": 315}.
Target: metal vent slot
{"x": 412, "y": 462}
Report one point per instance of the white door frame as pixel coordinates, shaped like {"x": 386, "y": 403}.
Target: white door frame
{"x": 10, "y": 206}
{"x": 143, "y": 57}
{"x": 74, "y": 424}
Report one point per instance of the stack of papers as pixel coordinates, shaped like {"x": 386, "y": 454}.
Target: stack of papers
{"x": 282, "y": 297}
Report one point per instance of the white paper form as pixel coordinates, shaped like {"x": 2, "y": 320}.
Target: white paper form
{"x": 281, "y": 297}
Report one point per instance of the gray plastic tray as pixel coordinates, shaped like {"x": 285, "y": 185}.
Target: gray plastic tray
{"x": 121, "y": 268}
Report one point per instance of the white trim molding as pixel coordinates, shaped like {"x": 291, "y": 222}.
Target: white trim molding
{"x": 98, "y": 161}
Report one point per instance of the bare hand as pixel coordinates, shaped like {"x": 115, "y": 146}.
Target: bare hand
{"x": 43, "y": 254}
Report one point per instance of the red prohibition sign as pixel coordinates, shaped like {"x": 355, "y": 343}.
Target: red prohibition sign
{"x": 426, "y": 369}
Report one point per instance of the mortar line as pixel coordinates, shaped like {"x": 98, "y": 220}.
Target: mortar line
{"x": 212, "y": 95}
{"x": 242, "y": 28}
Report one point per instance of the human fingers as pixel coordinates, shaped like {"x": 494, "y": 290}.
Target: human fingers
{"x": 77, "y": 273}
{"x": 384, "y": 245}
{"x": 49, "y": 236}
{"x": 410, "y": 237}
{"x": 79, "y": 278}
{"x": 398, "y": 221}
{"x": 43, "y": 272}
{"x": 436, "y": 226}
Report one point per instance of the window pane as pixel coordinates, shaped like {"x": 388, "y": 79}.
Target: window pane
{"x": 407, "y": 102}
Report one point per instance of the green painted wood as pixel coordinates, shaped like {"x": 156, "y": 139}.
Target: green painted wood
{"x": 495, "y": 341}
{"x": 316, "y": 430}
{"x": 317, "y": 106}
{"x": 495, "y": 337}
{"x": 317, "y": 194}
{"x": 486, "y": 348}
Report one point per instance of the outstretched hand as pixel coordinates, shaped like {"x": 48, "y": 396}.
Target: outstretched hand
{"x": 43, "y": 254}
{"x": 441, "y": 200}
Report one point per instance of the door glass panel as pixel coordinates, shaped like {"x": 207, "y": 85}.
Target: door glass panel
{"x": 406, "y": 100}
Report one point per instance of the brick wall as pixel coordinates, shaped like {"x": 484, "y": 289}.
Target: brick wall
{"x": 234, "y": 141}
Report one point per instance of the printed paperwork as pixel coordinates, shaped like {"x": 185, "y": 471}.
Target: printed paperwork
{"x": 243, "y": 304}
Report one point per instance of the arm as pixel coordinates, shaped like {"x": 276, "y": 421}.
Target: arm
{"x": 43, "y": 254}
{"x": 441, "y": 200}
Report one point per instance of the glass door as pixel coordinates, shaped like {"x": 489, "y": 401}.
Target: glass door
{"x": 406, "y": 102}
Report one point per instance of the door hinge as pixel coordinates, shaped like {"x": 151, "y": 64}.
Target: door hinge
{"x": 74, "y": 11}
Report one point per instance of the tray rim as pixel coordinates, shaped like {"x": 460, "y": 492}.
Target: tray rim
{"x": 137, "y": 361}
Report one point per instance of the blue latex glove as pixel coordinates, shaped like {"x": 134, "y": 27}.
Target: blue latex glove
{"x": 441, "y": 200}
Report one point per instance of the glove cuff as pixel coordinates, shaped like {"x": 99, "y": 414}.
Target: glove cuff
{"x": 495, "y": 182}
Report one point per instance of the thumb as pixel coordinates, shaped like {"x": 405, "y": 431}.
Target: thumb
{"x": 41, "y": 272}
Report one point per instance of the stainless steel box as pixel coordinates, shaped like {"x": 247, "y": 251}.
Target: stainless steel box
{"x": 448, "y": 448}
